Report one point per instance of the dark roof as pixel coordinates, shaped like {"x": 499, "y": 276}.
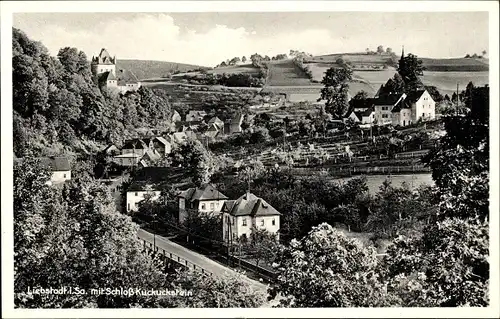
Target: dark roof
{"x": 361, "y": 103}
{"x": 368, "y": 112}
{"x": 157, "y": 174}
{"x": 390, "y": 99}
{"x": 135, "y": 144}
{"x": 106, "y": 76}
{"x": 403, "y": 104}
{"x": 56, "y": 163}
{"x": 414, "y": 96}
{"x": 249, "y": 205}
{"x": 206, "y": 192}
{"x": 126, "y": 77}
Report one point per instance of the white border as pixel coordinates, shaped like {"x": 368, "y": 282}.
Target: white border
{"x": 7, "y": 8}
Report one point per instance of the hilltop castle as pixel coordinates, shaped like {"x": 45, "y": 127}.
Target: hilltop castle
{"x": 104, "y": 67}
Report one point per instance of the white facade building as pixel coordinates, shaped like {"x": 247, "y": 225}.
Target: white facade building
{"x": 246, "y": 213}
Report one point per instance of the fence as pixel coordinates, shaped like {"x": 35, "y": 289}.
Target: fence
{"x": 175, "y": 258}
{"x": 380, "y": 170}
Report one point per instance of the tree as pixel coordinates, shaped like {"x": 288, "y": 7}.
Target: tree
{"x": 484, "y": 53}
{"x": 234, "y": 61}
{"x": 434, "y": 93}
{"x": 327, "y": 269}
{"x": 447, "y": 264}
{"x": 361, "y": 95}
{"x": 467, "y": 56}
{"x": 262, "y": 245}
{"x": 244, "y": 59}
{"x": 474, "y": 56}
{"x": 410, "y": 68}
{"x": 335, "y": 91}
{"x": 196, "y": 159}
{"x": 380, "y": 49}
{"x": 388, "y": 50}
{"x": 75, "y": 238}
{"x": 228, "y": 291}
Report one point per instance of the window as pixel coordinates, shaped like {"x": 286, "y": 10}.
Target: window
{"x": 262, "y": 222}
{"x": 244, "y": 221}
{"x": 203, "y": 206}
{"x": 136, "y": 194}
{"x": 212, "y": 205}
{"x": 423, "y": 114}
{"x": 128, "y": 206}
{"x": 274, "y": 222}
{"x": 64, "y": 176}
{"x": 192, "y": 205}
{"x": 234, "y": 236}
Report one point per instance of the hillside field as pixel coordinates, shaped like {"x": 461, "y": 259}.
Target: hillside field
{"x": 147, "y": 69}
{"x": 455, "y": 65}
{"x": 243, "y": 68}
{"x": 446, "y": 82}
{"x": 285, "y": 73}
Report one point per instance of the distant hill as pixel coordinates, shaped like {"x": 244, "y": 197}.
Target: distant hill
{"x": 147, "y": 69}
{"x": 456, "y": 65}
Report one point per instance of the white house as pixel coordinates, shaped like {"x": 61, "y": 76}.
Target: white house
{"x": 205, "y": 199}
{"x": 137, "y": 192}
{"x": 246, "y": 213}
{"x": 422, "y": 105}
{"x": 60, "y": 168}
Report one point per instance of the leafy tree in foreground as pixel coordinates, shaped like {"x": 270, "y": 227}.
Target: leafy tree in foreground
{"x": 221, "y": 292}
{"x": 75, "y": 239}
{"x": 327, "y": 269}
{"x": 447, "y": 265}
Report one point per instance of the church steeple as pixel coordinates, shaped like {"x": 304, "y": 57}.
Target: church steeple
{"x": 402, "y": 60}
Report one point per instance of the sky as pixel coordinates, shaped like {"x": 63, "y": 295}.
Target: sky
{"x": 209, "y": 38}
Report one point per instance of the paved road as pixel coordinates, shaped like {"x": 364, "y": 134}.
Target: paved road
{"x": 196, "y": 258}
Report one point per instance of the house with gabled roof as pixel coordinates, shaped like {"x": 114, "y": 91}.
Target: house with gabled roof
{"x": 423, "y": 106}
{"x": 135, "y": 146}
{"x": 216, "y": 121}
{"x": 60, "y": 168}
{"x": 204, "y": 199}
{"x": 383, "y": 106}
{"x": 241, "y": 216}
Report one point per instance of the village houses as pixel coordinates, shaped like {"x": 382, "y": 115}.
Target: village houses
{"x": 397, "y": 109}
{"x": 246, "y": 213}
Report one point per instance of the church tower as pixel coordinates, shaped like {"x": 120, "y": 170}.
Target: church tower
{"x": 103, "y": 63}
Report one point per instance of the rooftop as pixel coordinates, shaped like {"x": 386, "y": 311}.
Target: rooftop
{"x": 206, "y": 192}
{"x": 249, "y": 205}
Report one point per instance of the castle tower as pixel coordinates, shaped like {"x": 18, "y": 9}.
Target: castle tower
{"x": 103, "y": 63}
